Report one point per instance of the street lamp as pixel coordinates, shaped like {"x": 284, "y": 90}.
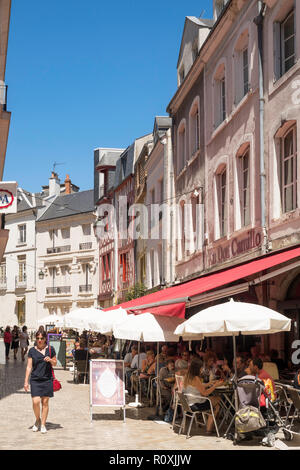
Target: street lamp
{"x": 41, "y": 275}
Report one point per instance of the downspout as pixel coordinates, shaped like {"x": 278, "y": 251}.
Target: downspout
{"x": 259, "y": 23}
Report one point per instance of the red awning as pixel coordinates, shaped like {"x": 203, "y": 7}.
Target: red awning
{"x": 159, "y": 302}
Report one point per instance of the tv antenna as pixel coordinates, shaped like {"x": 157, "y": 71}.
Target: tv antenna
{"x": 202, "y": 13}
{"x": 55, "y": 164}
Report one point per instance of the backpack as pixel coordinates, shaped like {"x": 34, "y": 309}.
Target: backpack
{"x": 249, "y": 419}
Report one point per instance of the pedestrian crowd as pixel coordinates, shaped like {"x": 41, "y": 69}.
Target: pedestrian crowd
{"x": 15, "y": 339}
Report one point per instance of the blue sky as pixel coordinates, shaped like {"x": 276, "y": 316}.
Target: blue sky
{"x": 83, "y": 75}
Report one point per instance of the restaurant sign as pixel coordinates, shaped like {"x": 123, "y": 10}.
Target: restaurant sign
{"x": 235, "y": 247}
{"x": 8, "y": 197}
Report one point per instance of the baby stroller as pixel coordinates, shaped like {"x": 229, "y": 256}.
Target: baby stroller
{"x": 252, "y": 420}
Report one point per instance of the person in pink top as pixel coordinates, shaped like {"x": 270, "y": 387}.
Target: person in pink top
{"x": 7, "y": 341}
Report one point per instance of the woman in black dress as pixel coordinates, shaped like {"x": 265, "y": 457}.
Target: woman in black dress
{"x": 40, "y": 365}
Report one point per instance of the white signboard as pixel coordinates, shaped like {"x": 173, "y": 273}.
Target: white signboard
{"x": 8, "y": 197}
{"x": 2, "y": 352}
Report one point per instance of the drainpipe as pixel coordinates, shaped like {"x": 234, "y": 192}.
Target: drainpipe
{"x": 259, "y": 23}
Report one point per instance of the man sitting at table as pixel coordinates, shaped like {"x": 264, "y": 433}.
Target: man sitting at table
{"x": 240, "y": 366}
{"x": 183, "y": 362}
{"x": 147, "y": 371}
{"x": 166, "y": 383}
{"x": 256, "y": 368}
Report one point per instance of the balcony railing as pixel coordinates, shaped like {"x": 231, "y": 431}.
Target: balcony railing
{"x": 86, "y": 246}
{"x": 21, "y": 282}
{"x": 58, "y": 249}
{"x": 85, "y": 288}
{"x": 58, "y": 290}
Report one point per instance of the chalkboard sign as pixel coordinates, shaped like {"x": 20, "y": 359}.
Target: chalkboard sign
{"x": 54, "y": 340}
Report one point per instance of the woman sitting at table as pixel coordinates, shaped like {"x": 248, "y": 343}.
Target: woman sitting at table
{"x": 196, "y": 392}
{"x": 147, "y": 371}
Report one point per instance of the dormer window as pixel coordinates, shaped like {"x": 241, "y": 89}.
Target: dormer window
{"x": 181, "y": 75}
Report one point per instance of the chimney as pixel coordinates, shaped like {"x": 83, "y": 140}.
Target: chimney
{"x": 68, "y": 185}
{"x": 54, "y": 185}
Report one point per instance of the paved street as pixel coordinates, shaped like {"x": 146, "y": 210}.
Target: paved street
{"x": 69, "y": 423}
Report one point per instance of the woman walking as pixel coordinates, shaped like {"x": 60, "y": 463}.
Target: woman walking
{"x": 7, "y": 341}
{"x": 24, "y": 342}
{"x": 15, "y": 340}
{"x": 41, "y": 359}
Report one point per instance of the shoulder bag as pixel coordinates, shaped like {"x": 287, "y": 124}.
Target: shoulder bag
{"x": 56, "y": 383}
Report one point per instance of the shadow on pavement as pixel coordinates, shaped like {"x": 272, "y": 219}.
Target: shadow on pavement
{"x": 12, "y": 376}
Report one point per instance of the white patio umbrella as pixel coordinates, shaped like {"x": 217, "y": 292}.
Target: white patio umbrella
{"x": 105, "y": 321}
{"x": 231, "y": 319}
{"x": 50, "y": 320}
{"x": 149, "y": 328}
{"x": 79, "y": 318}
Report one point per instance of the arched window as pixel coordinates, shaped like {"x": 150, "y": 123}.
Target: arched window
{"x": 221, "y": 204}
{"x": 181, "y": 147}
{"x": 243, "y": 177}
{"x": 194, "y": 127}
{"x": 289, "y": 170}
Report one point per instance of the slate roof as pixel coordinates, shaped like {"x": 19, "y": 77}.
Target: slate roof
{"x": 70, "y": 204}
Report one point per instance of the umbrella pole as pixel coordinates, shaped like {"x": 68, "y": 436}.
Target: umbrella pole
{"x": 139, "y": 366}
{"x": 235, "y": 375}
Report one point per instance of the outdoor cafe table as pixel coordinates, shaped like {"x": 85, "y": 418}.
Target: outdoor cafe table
{"x": 226, "y": 394}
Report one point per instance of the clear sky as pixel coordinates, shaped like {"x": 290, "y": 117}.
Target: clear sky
{"x": 87, "y": 74}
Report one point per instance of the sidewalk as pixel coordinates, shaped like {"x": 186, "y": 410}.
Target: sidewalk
{"x": 69, "y": 426}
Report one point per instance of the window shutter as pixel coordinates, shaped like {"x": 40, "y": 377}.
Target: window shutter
{"x": 277, "y": 50}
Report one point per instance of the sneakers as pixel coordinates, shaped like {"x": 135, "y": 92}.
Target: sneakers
{"x": 43, "y": 430}
{"x": 36, "y": 426}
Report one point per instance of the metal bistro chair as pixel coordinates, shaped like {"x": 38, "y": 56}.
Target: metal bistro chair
{"x": 188, "y": 412}
{"x": 179, "y": 384}
{"x": 294, "y": 400}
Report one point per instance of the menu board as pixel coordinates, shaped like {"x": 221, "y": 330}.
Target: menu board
{"x": 54, "y": 340}
{"x": 70, "y": 345}
{"x": 107, "y": 383}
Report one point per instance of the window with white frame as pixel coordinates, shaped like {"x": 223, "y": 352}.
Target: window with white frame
{"x": 181, "y": 148}
{"x": 65, "y": 233}
{"x": 289, "y": 170}
{"x": 22, "y": 269}
{"x": 194, "y": 130}
{"x": 22, "y": 233}
{"x": 219, "y": 96}
{"x": 284, "y": 44}
{"x": 241, "y": 67}
{"x": 244, "y": 180}
{"x": 86, "y": 229}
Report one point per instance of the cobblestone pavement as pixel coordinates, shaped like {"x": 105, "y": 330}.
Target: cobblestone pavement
{"x": 69, "y": 425}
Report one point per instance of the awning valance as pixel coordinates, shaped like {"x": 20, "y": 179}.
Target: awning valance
{"x": 172, "y": 301}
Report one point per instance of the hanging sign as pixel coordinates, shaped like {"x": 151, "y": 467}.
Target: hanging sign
{"x": 8, "y": 197}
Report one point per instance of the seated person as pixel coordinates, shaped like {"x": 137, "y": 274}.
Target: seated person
{"x": 130, "y": 363}
{"x": 147, "y": 371}
{"x": 162, "y": 357}
{"x": 240, "y": 366}
{"x": 183, "y": 362}
{"x": 195, "y": 392}
{"x": 256, "y": 369}
{"x": 166, "y": 383}
{"x": 82, "y": 353}
{"x": 208, "y": 371}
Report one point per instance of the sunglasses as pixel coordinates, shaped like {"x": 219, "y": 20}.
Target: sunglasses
{"x": 40, "y": 339}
